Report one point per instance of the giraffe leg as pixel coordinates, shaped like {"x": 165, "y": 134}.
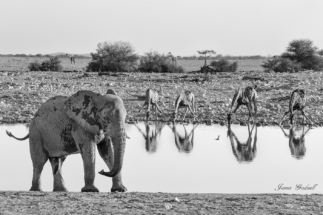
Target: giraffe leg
{"x": 249, "y": 110}
{"x": 142, "y": 107}
{"x": 287, "y": 112}
{"x": 185, "y": 113}
{"x": 291, "y": 117}
{"x": 234, "y": 100}
{"x": 255, "y": 107}
{"x": 191, "y": 111}
{"x": 159, "y": 109}
{"x": 155, "y": 108}
{"x": 238, "y": 105}
{"x": 303, "y": 113}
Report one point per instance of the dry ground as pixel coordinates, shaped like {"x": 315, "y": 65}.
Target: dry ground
{"x": 157, "y": 203}
{"x": 23, "y": 92}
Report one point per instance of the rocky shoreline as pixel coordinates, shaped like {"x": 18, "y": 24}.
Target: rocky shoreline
{"x": 12, "y": 202}
{"x": 24, "y": 92}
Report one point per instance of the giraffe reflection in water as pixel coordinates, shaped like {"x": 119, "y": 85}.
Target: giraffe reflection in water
{"x": 244, "y": 152}
{"x": 296, "y": 140}
{"x": 152, "y": 135}
{"x": 184, "y": 143}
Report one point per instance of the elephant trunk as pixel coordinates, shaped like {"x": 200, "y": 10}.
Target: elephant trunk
{"x": 119, "y": 144}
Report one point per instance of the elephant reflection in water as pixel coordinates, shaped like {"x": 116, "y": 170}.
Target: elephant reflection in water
{"x": 296, "y": 140}
{"x": 244, "y": 152}
{"x": 184, "y": 143}
{"x": 151, "y": 136}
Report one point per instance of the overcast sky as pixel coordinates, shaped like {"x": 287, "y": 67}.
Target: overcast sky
{"x": 234, "y": 27}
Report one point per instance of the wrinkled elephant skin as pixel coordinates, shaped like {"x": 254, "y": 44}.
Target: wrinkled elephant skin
{"x": 78, "y": 124}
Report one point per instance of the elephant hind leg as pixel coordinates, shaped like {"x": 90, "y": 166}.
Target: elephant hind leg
{"x": 38, "y": 157}
{"x": 57, "y": 163}
{"x": 106, "y": 152}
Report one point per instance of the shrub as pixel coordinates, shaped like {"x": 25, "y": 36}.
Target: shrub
{"x": 34, "y": 66}
{"x": 223, "y": 65}
{"x": 281, "y": 64}
{"x": 53, "y": 64}
{"x": 155, "y": 62}
{"x": 304, "y": 53}
{"x": 117, "y": 57}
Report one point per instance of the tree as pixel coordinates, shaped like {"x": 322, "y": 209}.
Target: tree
{"x": 302, "y": 52}
{"x": 320, "y": 52}
{"x": 117, "y": 56}
{"x": 205, "y": 54}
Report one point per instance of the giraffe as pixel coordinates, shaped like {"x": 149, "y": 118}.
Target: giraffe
{"x": 151, "y": 138}
{"x": 173, "y": 58}
{"x": 296, "y": 143}
{"x": 185, "y": 99}
{"x": 243, "y": 152}
{"x": 72, "y": 59}
{"x": 297, "y": 102}
{"x": 244, "y": 96}
{"x": 184, "y": 143}
{"x": 151, "y": 100}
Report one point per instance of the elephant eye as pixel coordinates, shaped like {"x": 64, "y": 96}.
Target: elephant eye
{"x": 108, "y": 120}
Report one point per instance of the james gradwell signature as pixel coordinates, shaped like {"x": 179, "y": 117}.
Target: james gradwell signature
{"x": 296, "y": 187}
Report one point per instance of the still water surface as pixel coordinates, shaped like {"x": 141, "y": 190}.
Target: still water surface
{"x": 209, "y": 160}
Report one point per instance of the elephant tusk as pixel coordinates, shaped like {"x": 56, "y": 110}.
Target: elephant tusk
{"x": 102, "y": 172}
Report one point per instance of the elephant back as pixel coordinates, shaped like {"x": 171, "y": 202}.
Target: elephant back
{"x": 51, "y": 114}
{"x": 82, "y": 108}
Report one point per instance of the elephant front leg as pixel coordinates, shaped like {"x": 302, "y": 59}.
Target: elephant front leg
{"x": 106, "y": 152}
{"x": 88, "y": 155}
{"x": 57, "y": 163}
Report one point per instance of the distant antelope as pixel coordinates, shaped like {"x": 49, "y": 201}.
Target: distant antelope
{"x": 297, "y": 102}
{"x": 173, "y": 58}
{"x": 151, "y": 100}
{"x": 244, "y": 96}
{"x": 185, "y": 99}
{"x": 72, "y": 59}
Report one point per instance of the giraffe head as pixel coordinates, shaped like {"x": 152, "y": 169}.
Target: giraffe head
{"x": 301, "y": 92}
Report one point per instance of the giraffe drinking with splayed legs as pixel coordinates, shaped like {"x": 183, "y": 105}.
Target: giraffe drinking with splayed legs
{"x": 185, "y": 99}
{"x": 245, "y": 96}
{"x": 297, "y": 102}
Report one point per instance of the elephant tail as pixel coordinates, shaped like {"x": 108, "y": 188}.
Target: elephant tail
{"x": 11, "y": 135}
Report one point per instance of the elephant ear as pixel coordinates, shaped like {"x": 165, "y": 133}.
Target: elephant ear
{"x": 81, "y": 108}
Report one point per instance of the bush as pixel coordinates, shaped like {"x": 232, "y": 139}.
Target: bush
{"x": 116, "y": 57}
{"x": 280, "y": 64}
{"x": 304, "y": 55}
{"x": 34, "y": 66}
{"x": 53, "y": 64}
{"x": 223, "y": 65}
{"x": 155, "y": 62}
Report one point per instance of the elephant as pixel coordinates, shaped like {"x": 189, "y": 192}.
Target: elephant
{"x": 77, "y": 124}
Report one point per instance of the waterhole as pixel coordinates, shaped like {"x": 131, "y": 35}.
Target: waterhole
{"x": 188, "y": 159}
